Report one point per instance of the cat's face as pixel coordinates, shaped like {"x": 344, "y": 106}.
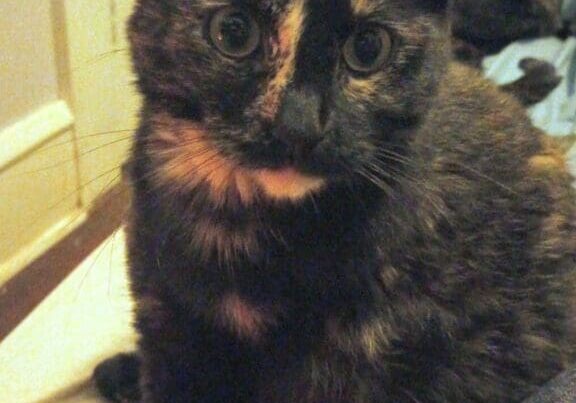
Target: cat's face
{"x": 288, "y": 91}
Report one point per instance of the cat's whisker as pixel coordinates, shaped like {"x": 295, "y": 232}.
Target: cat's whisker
{"x": 376, "y": 181}
{"x": 410, "y": 396}
{"x": 92, "y": 61}
{"x": 402, "y": 159}
{"x": 423, "y": 188}
{"x": 388, "y": 150}
{"x": 67, "y": 161}
{"x": 312, "y": 198}
{"x": 97, "y": 257}
{"x": 389, "y": 170}
{"x": 111, "y": 255}
{"x": 76, "y": 139}
{"x": 396, "y": 157}
{"x": 74, "y": 194}
{"x": 478, "y": 173}
{"x": 487, "y": 178}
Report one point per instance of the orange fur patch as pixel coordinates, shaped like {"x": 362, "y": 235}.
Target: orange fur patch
{"x": 361, "y": 89}
{"x": 551, "y": 159}
{"x": 371, "y": 339}
{"x": 287, "y": 184}
{"x": 289, "y": 33}
{"x": 245, "y": 319}
{"x": 188, "y": 158}
{"x": 211, "y": 236}
{"x": 363, "y": 7}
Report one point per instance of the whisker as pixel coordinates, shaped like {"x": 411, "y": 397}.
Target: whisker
{"x": 92, "y": 61}
{"x": 390, "y": 170}
{"x": 63, "y": 143}
{"x": 376, "y": 181}
{"x": 110, "y": 257}
{"x": 96, "y": 259}
{"x": 486, "y": 177}
{"x": 462, "y": 165}
{"x": 394, "y": 157}
{"x": 75, "y": 193}
{"x": 67, "y": 161}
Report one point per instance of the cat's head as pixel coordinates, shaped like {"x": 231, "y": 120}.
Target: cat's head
{"x": 284, "y": 97}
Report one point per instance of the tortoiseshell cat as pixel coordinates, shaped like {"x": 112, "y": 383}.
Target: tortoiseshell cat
{"x": 327, "y": 210}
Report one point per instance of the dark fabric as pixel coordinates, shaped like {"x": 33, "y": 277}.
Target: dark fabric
{"x": 560, "y": 390}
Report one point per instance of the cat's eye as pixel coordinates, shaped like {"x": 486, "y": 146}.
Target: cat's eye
{"x": 367, "y": 49}
{"x": 234, "y": 32}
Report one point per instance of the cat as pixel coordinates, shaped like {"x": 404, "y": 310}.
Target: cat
{"x": 327, "y": 208}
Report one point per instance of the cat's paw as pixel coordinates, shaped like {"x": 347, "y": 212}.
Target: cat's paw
{"x": 117, "y": 378}
{"x": 539, "y": 80}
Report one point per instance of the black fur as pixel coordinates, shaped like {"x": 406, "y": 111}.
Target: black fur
{"x": 539, "y": 80}
{"x": 117, "y": 378}
{"x": 437, "y": 265}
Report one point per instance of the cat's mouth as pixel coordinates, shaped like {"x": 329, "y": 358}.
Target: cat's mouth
{"x": 282, "y": 172}
{"x": 287, "y": 183}
{"x": 187, "y": 157}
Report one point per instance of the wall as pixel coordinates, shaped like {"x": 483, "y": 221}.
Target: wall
{"x": 26, "y": 59}
{"x": 66, "y": 104}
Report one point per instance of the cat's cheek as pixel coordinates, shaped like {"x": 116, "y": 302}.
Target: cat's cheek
{"x": 186, "y": 158}
{"x": 287, "y": 184}
{"x": 363, "y": 90}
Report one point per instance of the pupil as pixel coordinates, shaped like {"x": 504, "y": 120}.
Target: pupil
{"x": 367, "y": 47}
{"x": 235, "y": 30}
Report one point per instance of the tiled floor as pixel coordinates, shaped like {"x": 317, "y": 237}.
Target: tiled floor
{"x": 49, "y": 357}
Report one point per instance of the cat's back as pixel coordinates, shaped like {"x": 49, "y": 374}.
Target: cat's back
{"x": 471, "y": 111}
{"x": 507, "y": 200}
{"x": 477, "y": 128}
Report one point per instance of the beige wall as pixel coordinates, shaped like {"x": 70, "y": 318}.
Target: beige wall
{"x": 67, "y": 109}
{"x": 28, "y": 77}
{"x": 102, "y": 84}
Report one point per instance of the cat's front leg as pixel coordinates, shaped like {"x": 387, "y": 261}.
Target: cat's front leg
{"x": 188, "y": 360}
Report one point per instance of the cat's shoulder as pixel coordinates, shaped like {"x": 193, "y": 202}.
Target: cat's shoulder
{"x": 480, "y": 144}
{"x": 467, "y": 99}
{"x": 474, "y": 120}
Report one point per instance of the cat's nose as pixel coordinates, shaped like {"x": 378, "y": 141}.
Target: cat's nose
{"x": 300, "y": 122}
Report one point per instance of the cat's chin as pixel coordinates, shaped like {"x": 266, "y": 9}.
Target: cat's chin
{"x": 287, "y": 184}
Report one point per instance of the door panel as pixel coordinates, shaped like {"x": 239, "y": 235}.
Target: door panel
{"x": 102, "y": 90}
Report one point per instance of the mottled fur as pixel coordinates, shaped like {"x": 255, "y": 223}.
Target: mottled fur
{"x": 436, "y": 263}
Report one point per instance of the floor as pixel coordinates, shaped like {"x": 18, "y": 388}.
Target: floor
{"x": 51, "y": 355}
